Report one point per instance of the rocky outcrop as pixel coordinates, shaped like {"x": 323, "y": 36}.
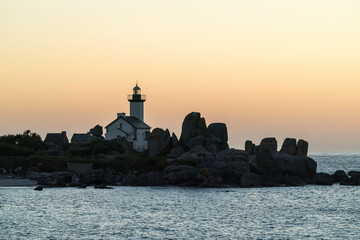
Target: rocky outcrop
{"x": 199, "y": 140}
{"x": 323, "y": 179}
{"x": 219, "y": 131}
{"x": 175, "y": 152}
{"x": 193, "y": 125}
{"x": 195, "y": 133}
{"x": 182, "y": 175}
{"x": 250, "y": 147}
{"x": 281, "y": 163}
{"x": 228, "y": 167}
{"x": 38, "y": 188}
{"x": 354, "y": 179}
{"x": 103, "y": 186}
{"x": 159, "y": 142}
{"x": 196, "y": 154}
{"x": 289, "y": 146}
{"x": 152, "y": 179}
{"x": 268, "y": 145}
{"x": 174, "y": 141}
{"x": 354, "y": 174}
{"x": 338, "y": 176}
{"x": 302, "y": 148}
{"x": 251, "y": 180}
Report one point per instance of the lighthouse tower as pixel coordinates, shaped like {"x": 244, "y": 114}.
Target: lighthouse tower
{"x": 137, "y": 103}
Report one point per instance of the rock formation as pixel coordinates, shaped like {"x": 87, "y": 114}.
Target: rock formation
{"x": 195, "y": 133}
{"x": 323, "y": 179}
{"x": 339, "y": 176}
{"x": 289, "y": 146}
{"x": 159, "y": 142}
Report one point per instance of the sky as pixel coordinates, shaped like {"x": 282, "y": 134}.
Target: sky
{"x": 266, "y": 68}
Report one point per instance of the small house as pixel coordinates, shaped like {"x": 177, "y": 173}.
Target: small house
{"x": 56, "y": 139}
{"x": 130, "y": 128}
{"x": 80, "y": 138}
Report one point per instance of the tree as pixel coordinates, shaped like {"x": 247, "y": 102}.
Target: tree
{"x": 27, "y": 140}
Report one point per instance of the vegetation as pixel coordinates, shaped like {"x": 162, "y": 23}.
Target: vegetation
{"x": 26, "y": 140}
{"x": 29, "y": 151}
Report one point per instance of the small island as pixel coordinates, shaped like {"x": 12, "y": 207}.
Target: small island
{"x": 201, "y": 157}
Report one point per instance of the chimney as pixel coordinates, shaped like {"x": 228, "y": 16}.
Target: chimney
{"x": 121, "y": 115}
{"x": 63, "y": 132}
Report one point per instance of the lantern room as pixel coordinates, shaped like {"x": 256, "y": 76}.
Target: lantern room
{"x": 136, "y": 90}
{"x": 137, "y": 103}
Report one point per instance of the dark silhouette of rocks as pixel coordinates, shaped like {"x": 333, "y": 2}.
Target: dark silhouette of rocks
{"x": 302, "y": 148}
{"x": 159, "y": 142}
{"x": 354, "y": 174}
{"x": 250, "y": 147}
{"x": 323, "y": 179}
{"x": 219, "y": 131}
{"x": 251, "y": 180}
{"x": 174, "y": 141}
{"x": 338, "y": 176}
{"x": 281, "y": 163}
{"x": 193, "y": 126}
{"x": 103, "y": 186}
{"x": 182, "y": 175}
{"x": 289, "y": 146}
{"x": 268, "y": 145}
{"x": 198, "y": 140}
{"x": 38, "y": 188}
{"x": 195, "y": 133}
{"x": 354, "y": 179}
{"x": 176, "y": 152}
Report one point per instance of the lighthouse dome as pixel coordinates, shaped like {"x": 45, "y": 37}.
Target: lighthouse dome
{"x": 136, "y": 87}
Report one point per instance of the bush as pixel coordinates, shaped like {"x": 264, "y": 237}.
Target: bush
{"x": 100, "y": 148}
{"x": 115, "y": 146}
{"x": 13, "y": 150}
{"x": 81, "y": 151}
{"x": 137, "y": 162}
{"x": 27, "y": 139}
{"x": 47, "y": 163}
{"x": 12, "y": 162}
{"x": 95, "y": 147}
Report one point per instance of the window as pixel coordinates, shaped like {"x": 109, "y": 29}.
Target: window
{"x": 120, "y": 126}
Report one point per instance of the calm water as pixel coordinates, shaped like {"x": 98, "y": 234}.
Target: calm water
{"x": 331, "y": 162}
{"x": 310, "y": 212}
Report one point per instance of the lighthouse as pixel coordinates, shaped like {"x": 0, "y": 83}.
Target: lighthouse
{"x": 131, "y": 128}
{"x": 137, "y": 103}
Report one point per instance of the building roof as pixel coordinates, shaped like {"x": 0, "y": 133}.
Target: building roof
{"x": 137, "y": 123}
{"x": 133, "y": 121}
{"x": 80, "y": 137}
{"x": 56, "y": 138}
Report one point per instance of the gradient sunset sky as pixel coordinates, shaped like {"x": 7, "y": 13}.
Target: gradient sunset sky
{"x": 277, "y": 68}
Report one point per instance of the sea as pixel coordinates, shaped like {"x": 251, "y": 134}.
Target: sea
{"x": 309, "y": 212}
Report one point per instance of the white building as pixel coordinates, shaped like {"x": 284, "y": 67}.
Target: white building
{"x": 131, "y": 127}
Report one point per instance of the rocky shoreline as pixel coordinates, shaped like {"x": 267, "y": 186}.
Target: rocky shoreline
{"x": 218, "y": 176}
{"x": 202, "y": 158}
